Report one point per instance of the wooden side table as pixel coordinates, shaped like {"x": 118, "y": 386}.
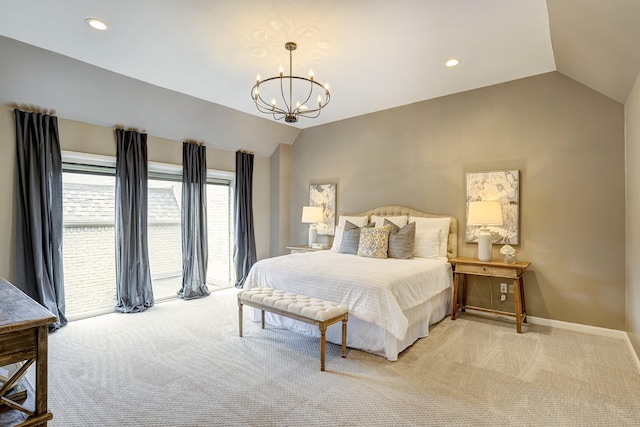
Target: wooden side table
{"x": 302, "y": 249}
{"x": 23, "y": 336}
{"x": 474, "y": 267}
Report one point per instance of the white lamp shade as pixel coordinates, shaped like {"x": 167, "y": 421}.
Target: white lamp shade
{"x": 485, "y": 213}
{"x": 312, "y": 214}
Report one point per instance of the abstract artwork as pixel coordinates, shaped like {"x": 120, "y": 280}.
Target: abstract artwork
{"x": 324, "y": 195}
{"x": 502, "y": 186}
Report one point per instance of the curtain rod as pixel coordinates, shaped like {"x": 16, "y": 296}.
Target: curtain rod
{"x": 33, "y": 109}
{"x": 121, "y": 127}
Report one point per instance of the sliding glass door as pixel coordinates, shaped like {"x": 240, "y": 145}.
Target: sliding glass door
{"x": 219, "y": 234}
{"x": 88, "y": 248}
{"x": 89, "y": 236}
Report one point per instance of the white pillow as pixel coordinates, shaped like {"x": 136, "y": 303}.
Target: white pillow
{"x": 427, "y": 244}
{"x": 400, "y": 221}
{"x": 441, "y": 224}
{"x": 360, "y": 221}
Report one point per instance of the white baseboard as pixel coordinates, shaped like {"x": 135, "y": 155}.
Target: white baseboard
{"x": 594, "y": 330}
{"x": 633, "y": 353}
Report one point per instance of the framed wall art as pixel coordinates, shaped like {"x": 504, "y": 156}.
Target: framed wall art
{"x": 502, "y": 186}
{"x": 324, "y": 195}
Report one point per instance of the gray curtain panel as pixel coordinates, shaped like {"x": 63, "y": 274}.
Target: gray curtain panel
{"x": 39, "y": 212}
{"x": 194, "y": 222}
{"x": 244, "y": 250}
{"x": 134, "y": 292}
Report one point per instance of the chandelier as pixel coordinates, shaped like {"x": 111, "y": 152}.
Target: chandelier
{"x": 308, "y": 87}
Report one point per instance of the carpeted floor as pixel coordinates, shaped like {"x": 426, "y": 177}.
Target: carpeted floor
{"x": 181, "y": 363}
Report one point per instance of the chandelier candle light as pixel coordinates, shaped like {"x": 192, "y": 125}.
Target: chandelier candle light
{"x": 484, "y": 214}
{"x": 312, "y": 215}
{"x": 290, "y": 112}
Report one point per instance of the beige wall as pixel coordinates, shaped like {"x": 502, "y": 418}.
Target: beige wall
{"x": 280, "y": 199}
{"x": 7, "y": 195}
{"x": 568, "y": 143}
{"x": 88, "y": 138}
{"x": 632, "y": 295}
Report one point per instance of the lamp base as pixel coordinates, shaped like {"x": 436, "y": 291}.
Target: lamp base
{"x": 484, "y": 245}
{"x": 313, "y": 234}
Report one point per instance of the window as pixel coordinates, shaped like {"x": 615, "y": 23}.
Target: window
{"x": 164, "y": 234}
{"x": 88, "y": 247}
{"x": 89, "y": 233}
{"x": 219, "y": 234}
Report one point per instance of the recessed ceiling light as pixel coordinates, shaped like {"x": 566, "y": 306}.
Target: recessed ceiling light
{"x": 96, "y": 24}
{"x": 453, "y": 62}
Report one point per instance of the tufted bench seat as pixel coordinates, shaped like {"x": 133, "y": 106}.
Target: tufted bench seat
{"x": 299, "y": 307}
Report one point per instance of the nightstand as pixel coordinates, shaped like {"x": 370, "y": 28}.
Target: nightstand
{"x": 303, "y": 249}
{"x": 474, "y": 267}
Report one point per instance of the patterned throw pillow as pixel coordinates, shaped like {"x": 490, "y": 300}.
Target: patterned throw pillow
{"x": 401, "y": 240}
{"x": 351, "y": 238}
{"x": 374, "y": 242}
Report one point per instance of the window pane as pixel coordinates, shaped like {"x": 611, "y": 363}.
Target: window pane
{"x": 164, "y": 237}
{"x": 219, "y": 238}
{"x": 88, "y": 242}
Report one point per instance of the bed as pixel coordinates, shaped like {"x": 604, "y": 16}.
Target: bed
{"x": 392, "y": 302}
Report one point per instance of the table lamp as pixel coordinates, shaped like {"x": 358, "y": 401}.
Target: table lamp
{"x": 312, "y": 215}
{"x": 483, "y": 214}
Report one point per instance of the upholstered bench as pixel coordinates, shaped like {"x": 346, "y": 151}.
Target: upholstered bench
{"x": 299, "y": 307}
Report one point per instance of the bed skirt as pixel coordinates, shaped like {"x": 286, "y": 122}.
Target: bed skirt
{"x": 369, "y": 337}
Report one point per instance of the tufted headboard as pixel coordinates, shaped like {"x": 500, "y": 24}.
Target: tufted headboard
{"x": 393, "y": 210}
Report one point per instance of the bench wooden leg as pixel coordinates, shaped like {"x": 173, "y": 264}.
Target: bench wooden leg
{"x": 240, "y": 318}
{"x": 344, "y": 336}
{"x": 323, "y": 343}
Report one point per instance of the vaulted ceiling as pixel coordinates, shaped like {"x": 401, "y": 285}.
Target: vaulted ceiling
{"x": 375, "y": 54}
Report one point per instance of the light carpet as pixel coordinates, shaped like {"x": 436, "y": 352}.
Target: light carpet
{"x": 182, "y": 363}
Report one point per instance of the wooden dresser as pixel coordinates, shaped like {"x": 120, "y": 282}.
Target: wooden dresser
{"x": 23, "y": 337}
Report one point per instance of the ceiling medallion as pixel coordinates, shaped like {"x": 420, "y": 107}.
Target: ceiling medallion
{"x": 283, "y": 87}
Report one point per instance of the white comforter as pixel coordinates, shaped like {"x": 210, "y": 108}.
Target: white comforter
{"x": 375, "y": 290}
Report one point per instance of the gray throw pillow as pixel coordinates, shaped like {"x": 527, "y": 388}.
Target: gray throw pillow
{"x": 351, "y": 238}
{"x": 401, "y": 240}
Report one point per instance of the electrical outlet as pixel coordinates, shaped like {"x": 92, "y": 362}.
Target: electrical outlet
{"x": 503, "y": 288}
{"x": 512, "y": 288}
